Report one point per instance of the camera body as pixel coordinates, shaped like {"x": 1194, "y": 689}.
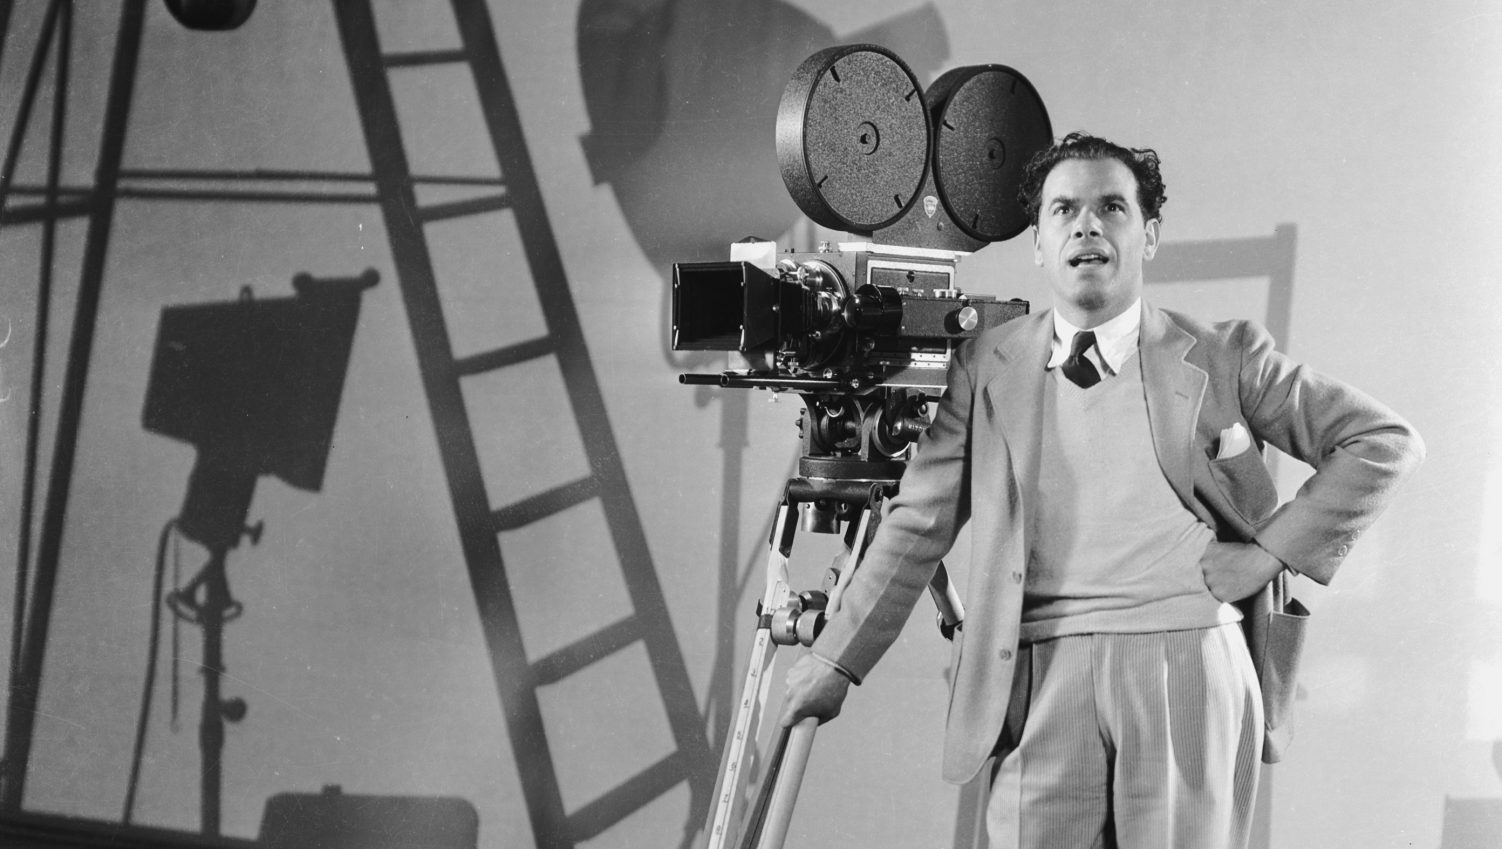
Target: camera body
{"x": 847, "y": 318}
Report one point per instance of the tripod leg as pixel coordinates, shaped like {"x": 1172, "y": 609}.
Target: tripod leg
{"x": 730, "y": 789}
{"x": 786, "y": 772}
{"x": 789, "y": 779}
{"x": 857, "y": 550}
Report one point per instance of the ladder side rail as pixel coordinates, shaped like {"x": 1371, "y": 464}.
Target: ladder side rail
{"x": 5, "y": 9}
{"x": 21, "y": 716}
{"x": 29, "y": 91}
{"x": 478, "y": 34}
{"x": 7, "y": 172}
{"x": 43, "y": 320}
{"x": 415, "y": 274}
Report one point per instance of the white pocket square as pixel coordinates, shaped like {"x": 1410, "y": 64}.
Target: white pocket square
{"x": 1233, "y": 441}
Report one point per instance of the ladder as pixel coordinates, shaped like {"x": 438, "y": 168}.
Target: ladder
{"x": 518, "y": 677}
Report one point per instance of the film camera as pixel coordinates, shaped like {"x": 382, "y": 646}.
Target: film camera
{"x": 865, "y": 329}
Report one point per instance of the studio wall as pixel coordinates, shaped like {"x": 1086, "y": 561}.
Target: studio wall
{"x": 1359, "y": 131}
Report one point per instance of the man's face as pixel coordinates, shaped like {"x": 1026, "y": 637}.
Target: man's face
{"x": 1091, "y": 239}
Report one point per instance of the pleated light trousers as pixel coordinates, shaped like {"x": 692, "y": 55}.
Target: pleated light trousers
{"x": 1136, "y": 741}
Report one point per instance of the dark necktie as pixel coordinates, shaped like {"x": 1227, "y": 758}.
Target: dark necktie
{"x": 1078, "y": 367}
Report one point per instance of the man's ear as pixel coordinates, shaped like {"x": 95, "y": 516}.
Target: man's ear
{"x": 1152, "y": 231}
{"x": 1037, "y": 247}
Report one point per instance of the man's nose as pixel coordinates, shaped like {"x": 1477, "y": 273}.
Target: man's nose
{"x": 1087, "y": 224}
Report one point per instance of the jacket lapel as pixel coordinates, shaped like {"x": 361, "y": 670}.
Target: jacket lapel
{"x": 1013, "y": 395}
{"x": 1175, "y": 389}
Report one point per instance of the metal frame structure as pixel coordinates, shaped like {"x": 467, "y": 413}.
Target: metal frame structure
{"x": 392, "y": 187}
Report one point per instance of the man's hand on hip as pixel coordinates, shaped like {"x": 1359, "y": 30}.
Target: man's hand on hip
{"x": 1235, "y": 570}
{"x": 814, "y": 688}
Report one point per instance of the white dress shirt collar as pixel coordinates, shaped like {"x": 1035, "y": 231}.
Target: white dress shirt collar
{"x": 1115, "y": 340}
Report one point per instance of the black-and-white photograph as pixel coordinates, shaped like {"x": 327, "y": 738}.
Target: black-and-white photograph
{"x": 695, "y": 424}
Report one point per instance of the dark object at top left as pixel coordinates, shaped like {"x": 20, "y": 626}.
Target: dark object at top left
{"x": 211, "y": 15}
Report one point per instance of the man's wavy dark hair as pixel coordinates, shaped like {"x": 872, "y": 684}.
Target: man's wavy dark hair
{"x": 1143, "y": 163}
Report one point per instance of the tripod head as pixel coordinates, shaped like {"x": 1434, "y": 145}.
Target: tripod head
{"x": 854, "y": 439}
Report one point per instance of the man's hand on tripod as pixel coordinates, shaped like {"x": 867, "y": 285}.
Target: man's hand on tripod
{"x": 814, "y": 688}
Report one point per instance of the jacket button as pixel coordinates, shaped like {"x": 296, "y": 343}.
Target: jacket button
{"x": 1342, "y": 550}
{"x": 1006, "y": 654}
{"x": 1016, "y": 577}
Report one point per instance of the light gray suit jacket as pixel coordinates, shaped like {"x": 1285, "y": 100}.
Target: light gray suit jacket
{"x": 979, "y": 460}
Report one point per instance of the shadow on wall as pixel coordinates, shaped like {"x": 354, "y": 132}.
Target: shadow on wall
{"x": 333, "y": 819}
{"x": 330, "y": 819}
{"x": 1473, "y": 823}
{"x": 254, "y": 385}
{"x": 682, "y": 101}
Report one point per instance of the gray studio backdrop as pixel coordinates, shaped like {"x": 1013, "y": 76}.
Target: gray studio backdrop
{"x": 1330, "y": 172}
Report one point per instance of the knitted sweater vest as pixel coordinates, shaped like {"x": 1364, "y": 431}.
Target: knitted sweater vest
{"x": 1113, "y": 549}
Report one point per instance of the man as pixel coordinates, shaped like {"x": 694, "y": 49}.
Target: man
{"x": 1108, "y": 452}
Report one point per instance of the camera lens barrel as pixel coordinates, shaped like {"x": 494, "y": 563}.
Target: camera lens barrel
{"x": 874, "y": 309}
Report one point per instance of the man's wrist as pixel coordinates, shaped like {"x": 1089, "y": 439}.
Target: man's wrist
{"x": 1275, "y": 564}
{"x": 849, "y": 676}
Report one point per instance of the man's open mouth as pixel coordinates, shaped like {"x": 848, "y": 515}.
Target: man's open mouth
{"x": 1088, "y": 258}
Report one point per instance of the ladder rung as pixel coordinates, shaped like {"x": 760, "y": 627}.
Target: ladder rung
{"x": 418, "y": 58}
{"x": 455, "y": 180}
{"x": 545, "y": 504}
{"x": 581, "y": 653}
{"x": 510, "y": 355}
{"x": 628, "y": 797}
{"x": 461, "y": 208}
{"x": 31, "y": 213}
